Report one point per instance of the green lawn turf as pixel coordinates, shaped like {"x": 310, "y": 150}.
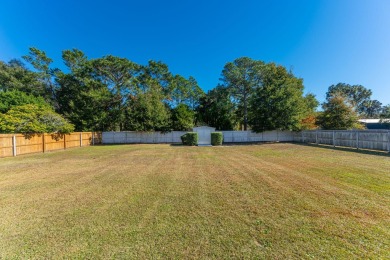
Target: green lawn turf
{"x": 273, "y": 201}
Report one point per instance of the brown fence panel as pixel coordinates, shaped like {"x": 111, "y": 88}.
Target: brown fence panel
{"x": 87, "y": 139}
{"x": 38, "y": 143}
{"x": 72, "y": 140}
{"x": 5, "y": 145}
{"x": 29, "y": 144}
{"x": 54, "y": 142}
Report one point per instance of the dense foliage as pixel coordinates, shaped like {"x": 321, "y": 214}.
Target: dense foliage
{"x": 217, "y": 109}
{"x": 114, "y": 94}
{"x": 278, "y": 101}
{"x": 358, "y": 97}
{"x": 385, "y": 115}
{"x": 107, "y": 93}
{"x": 266, "y": 96}
{"x": 24, "y": 113}
{"x": 338, "y": 114}
{"x": 33, "y": 118}
{"x": 216, "y": 138}
{"x": 190, "y": 138}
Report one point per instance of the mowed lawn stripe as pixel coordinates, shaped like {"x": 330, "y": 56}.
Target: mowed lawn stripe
{"x": 162, "y": 201}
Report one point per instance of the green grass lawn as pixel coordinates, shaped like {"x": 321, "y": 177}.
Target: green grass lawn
{"x": 273, "y": 201}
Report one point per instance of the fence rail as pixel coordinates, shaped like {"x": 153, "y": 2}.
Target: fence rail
{"x": 18, "y": 144}
{"x": 358, "y": 139}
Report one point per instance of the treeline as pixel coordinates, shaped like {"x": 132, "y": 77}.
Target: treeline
{"x": 103, "y": 94}
{"x": 115, "y": 94}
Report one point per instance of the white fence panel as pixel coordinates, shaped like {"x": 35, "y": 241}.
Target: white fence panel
{"x": 141, "y": 137}
{"x": 249, "y": 136}
{"x": 235, "y": 136}
{"x": 359, "y": 139}
{"x": 362, "y": 139}
{"x": 174, "y": 137}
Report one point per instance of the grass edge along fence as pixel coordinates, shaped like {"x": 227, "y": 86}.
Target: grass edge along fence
{"x": 378, "y": 140}
{"x": 19, "y": 144}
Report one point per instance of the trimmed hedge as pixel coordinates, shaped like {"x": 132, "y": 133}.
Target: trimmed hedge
{"x": 190, "y": 138}
{"x": 216, "y": 138}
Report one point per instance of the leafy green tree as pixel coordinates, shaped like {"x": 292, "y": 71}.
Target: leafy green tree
{"x": 13, "y": 98}
{"x": 185, "y": 91}
{"x": 15, "y": 76}
{"x": 146, "y": 111}
{"x": 156, "y": 74}
{"x": 356, "y": 95}
{"x": 309, "y": 120}
{"x": 33, "y": 118}
{"x": 87, "y": 106}
{"x": 278, "y": 102}
{"x": 119, "y": 75}
{"x": 338, "y": 114}
{"x": 182, "y": 118}
{"x": 385, "y": 114}
{"x": 371, "y": 109}
{"x": 217, "y": 109}
{"x": 39, "y": 60}
{"x": 85, "y": 101}
{"x": 180, "y": 91}
{"x": 196, "y": 93}
{"x": 240, "y": 77}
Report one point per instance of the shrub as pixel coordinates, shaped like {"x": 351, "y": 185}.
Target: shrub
{"x": 190, "y": 138}
{"x": 216, "y": 138}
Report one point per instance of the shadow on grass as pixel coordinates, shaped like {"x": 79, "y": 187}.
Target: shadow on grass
{"x": 252, "y": 143}
{"x": 226, "y": 144}
{"x": 346, "y": 149}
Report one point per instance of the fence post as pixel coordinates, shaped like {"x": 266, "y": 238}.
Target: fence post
{"x": 81, "y": 139}
{"x": 64, "y": 141}
{"x": 43, "y": 143}
{"x": 388, "y": 141}
{"x": 357, "y": 140}
{"x": 316, "y": 136}
{"x": 334, "y": 142}
{"x": 277, "y": 136}
{"x": 303, "y": 137}
{"x": 14, "y": 145}
{"x": 93, "y": 138}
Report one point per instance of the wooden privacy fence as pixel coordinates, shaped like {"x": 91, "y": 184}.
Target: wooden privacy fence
{"x": 359, "y": 139}
{"x": 18, "y": 144}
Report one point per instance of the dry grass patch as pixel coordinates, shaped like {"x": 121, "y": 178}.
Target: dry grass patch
{"x": 160, "y": 201}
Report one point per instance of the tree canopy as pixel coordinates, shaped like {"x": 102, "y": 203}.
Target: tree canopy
{"x": 217, "y": 109}
{"x": 338, "y": 114}
{"x": 359, "y": 98}
{"x": 241, "y": 77}
{"x": 278, "y": 101}
{"x": 266, "y": 96}
{"x": 112, "y": 93}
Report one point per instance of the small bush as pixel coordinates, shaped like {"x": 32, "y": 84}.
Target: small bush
{"x": 190, "y": 138}
{"x": 216, "y": 138}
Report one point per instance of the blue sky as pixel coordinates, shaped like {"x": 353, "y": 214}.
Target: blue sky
{"x": 324, "y": 42}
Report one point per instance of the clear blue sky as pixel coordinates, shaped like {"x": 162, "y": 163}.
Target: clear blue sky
{"x": 325, "y": 42}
